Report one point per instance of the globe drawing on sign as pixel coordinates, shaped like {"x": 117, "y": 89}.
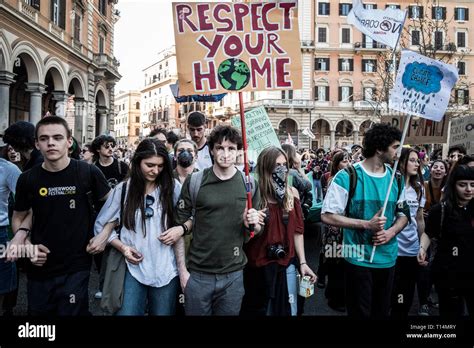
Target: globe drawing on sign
{"x": 234, "y": 74}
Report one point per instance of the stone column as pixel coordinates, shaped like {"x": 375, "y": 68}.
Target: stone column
{"x": 110, "y": 123}
{"x": 6, "y": 79}
{"x": 36, "y": 91}
{"x": 102, "y": 114}
{"x": 333, "y": 139}
{"x": 61, "y": 99}
{"x": 356, "y": 137}
{"x": 79, "y": 116}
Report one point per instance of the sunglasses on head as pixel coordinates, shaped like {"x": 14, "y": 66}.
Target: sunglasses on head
{"x": 149, "y": 201}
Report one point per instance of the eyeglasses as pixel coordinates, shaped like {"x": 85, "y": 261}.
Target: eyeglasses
{"x": 149, "y": 201}
{"x": 108, "y": 146}
{"x": 414, "y": 160}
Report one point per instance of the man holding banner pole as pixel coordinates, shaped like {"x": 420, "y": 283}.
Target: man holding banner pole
{"x": 423, "y": 85}
{"x": 353, "y": 201}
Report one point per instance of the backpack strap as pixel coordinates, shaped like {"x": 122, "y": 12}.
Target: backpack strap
{"x": 119, "y": 166}
{"x": 252, "y": 182}
{"x": 122, "y": 204}
{"x": 194, "y": 185}
{"x": 84, "y": 173}
{"x": 83, "y": 178}
{"x": 352, "y": 186}
{"x": 400, "y": 184}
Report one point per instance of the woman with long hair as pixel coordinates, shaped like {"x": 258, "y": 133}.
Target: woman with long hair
{"x": 151, "y": 279}
{"x": 451, "y": 223}
{"x": 270, "y": 277}
{"x": 406, "y": 268}
{"x": 298, "y": 179}
{"x": 438, "y": 174}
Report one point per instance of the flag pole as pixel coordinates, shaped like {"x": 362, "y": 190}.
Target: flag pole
{"x": 402, "y": 141}
{"x": 246, "y": 163}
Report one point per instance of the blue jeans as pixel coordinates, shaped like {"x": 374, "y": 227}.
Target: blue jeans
{"x": 292, "y": 283}
{"x": 8, "y": 281}
{"x": 318, "y": 190}
{"x": 161, "y": 301}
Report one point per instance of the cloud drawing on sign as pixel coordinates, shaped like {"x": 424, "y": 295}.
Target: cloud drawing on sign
{"x": 422, "y": 78}
{"x": 421, "y": 83}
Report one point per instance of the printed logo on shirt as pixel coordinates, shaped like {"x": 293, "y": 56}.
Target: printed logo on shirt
{"x": 112, "y": 182}
{"x": 57, "y": 191}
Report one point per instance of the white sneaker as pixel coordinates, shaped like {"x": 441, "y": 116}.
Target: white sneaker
{"x": 98, "y": 295}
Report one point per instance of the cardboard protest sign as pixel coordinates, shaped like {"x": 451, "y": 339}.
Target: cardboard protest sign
{"x": 224, "y": 47}
{"x": 423, "y": 86}
{"x": 260, "y": 132}
{"x": 421, "y": 130}
{"x": 462, "y": 133}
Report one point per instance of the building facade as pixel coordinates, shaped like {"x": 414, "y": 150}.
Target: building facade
{"x": 127, "y": 118}
{"x": 56, "y": 58}
{"x": 159, "y": 107}
{"x": 342, "y": 74}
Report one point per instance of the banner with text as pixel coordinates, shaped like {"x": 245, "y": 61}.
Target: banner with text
{"x": 423, "y": 86}
{"x": 260, "y": 132}
{"x": 224, "y": 47}
{"x": 421, "y": 130}
{"x": 383, "y": 26}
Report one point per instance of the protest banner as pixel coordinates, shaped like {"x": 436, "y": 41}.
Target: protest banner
{"x": 423, "y": 86}
{"x": 223, "y": 47}
{"x": 260, "y": 132}
{"x": 384, "y": 26}
{"x": 420, "y": 130}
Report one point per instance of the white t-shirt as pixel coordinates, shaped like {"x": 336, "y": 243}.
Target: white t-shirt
{"x": 408, "y": 241}
{"x": 204, "y": 158}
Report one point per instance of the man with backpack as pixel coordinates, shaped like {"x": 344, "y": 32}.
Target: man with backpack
{"x": 59, "y": 194}
{"x": 213, "y": 202}
{"x": 354, "y": 202}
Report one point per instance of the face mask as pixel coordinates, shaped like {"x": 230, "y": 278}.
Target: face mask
{"x": 279, "y": 182}
{"x": 185, "y": 159}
